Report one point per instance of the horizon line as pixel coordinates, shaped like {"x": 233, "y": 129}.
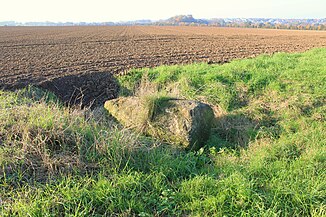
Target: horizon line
{"x": 162, "y": 19}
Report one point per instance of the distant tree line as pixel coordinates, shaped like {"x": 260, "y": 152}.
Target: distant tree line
{"x": 266, "y": 25}
{"x": 297, "y": 24}
{"x": 189, "y": 20}
{"x": 269, "y": 25}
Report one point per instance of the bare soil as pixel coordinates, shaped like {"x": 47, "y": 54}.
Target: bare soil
{"x": 69, "y": 59}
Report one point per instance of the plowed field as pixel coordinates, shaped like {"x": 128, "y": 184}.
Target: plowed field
{"x": 65, "y": 58}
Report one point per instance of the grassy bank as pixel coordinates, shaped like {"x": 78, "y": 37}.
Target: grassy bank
{"x": 266, "y": 155}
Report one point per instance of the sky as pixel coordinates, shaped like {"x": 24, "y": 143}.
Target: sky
{"x": 124, "y": 10}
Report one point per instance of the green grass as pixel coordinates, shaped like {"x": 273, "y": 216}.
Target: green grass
{"x": 266, "y": 155}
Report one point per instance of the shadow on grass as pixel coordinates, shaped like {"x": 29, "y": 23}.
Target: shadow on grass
{"x": 88, "y": 89}
{"x": 239, "y": 129}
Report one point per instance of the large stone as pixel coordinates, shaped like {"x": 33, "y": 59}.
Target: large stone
{"x": 183, "y": 122}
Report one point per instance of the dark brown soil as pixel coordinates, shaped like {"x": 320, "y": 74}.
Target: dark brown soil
{"x": 76, "y": 63}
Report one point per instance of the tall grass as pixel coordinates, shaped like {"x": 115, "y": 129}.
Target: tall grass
{"x": 266, "y": 155}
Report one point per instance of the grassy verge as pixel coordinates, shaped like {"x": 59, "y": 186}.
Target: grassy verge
{"x": 266, "y": 155}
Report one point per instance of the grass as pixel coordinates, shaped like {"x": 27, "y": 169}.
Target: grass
{"x": 266, "y": 155}
{"x": 154, "y": 104}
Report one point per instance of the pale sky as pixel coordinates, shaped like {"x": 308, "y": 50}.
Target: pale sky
{"x": 123, "y": 10}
